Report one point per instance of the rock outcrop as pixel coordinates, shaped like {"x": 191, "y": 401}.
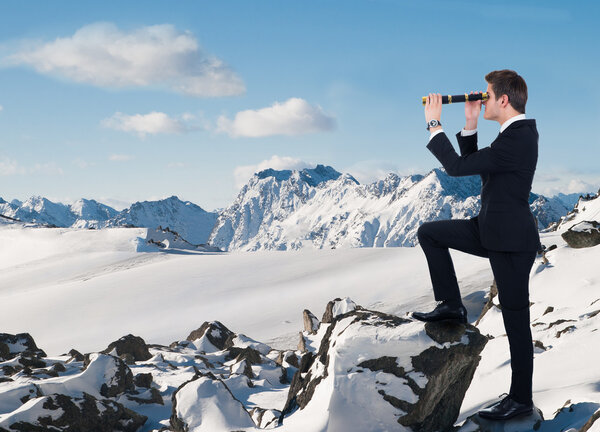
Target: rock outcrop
{"x": 583, "y": 234}
{"x": 407, "y": 373}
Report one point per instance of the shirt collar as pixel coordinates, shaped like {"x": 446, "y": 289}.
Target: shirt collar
{"x": 510, "y": 121}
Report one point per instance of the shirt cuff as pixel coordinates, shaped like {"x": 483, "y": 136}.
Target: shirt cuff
{"x": 468, "y": 132}
{"x": 435, "y": 133}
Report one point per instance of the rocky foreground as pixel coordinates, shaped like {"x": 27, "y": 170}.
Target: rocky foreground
{"x": 354, "y": 370}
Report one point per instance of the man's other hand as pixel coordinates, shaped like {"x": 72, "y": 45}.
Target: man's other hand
{"x": 472, "y": 110}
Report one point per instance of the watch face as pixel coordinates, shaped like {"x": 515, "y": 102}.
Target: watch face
{"x": 433, "y": 123}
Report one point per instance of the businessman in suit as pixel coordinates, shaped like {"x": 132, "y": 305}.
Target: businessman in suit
{"x": 504, "y": 231}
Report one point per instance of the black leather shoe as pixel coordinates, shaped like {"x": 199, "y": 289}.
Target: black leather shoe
{"x": 443, "y": 311}
{"x": 505, "y": 409}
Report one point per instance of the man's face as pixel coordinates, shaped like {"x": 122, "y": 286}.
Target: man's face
{"x": 491, "y": 105}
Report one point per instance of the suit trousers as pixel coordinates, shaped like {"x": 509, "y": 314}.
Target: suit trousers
{"x": 511, "y": 271}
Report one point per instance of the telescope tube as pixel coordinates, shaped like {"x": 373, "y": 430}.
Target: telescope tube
{"x": 461, "y": 98}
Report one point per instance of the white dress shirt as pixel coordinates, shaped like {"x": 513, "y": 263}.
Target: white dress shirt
{"x": 467, "y": 132}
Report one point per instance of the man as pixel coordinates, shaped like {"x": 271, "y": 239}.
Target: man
{"x": 504, "y": 231}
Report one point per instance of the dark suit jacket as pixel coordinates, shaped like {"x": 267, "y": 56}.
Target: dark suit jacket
{"x": 506, "y": 168}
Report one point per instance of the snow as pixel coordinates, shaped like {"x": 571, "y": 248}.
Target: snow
{"x": 83, "y": 289}
{"x": 206, "y": 405}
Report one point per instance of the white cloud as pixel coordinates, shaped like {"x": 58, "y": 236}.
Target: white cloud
{"x": 9, "y": 167}
{"x": 292, "y": 117}
{"x": 143, "y": 124}
{"x": 82, "y": 163}
{"x": 559, "y": 180}
{"x": 243, "y": 173}
{"x": 120, "y": 157}
{"x": 103, "y": 55}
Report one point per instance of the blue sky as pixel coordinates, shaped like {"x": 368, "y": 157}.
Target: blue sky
{"x": 127, "y": 101}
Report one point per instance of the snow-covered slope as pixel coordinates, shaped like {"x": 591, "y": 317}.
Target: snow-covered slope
{"x": 85, "y": 288}
{"x": 280, "y": 210}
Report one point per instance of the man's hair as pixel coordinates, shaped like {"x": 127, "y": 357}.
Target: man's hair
{"x": 511, "y": 84}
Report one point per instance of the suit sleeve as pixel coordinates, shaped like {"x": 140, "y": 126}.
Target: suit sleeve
{"x": 500, "y": 156}
{"x": 467, "y": 144}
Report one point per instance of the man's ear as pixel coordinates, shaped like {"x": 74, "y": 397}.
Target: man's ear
{"x": 504, "y": 101}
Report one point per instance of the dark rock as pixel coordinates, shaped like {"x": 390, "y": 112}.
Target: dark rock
{"x": 155, "y": 398}
{"x": 311, "y": 322}
{"x": 22, "y": 343}
{"x": 80, "y": 414}
{"x": 565, "y": 330}
{"x": 75, "y": 356}
{"x": 143, "y": 380}
{"x": 301, "y": 343}
{"x": 216, "y": 333}
{"x": 59, "y": 367}
{"x": 583, "y": 234}
{"x": 31, "y": 361}
{"x": 490, "y": 303}
{"x": 132, "y": 345}
{"x": 539, "y": 344}
{"x": 560, "y": 321}
{"x": 588, "y": 425}
{"x": 247, "y": 353}
{"x": 548, "y": 310}
{"x": 329, "y": 314}
{"x": 118, "y": 377}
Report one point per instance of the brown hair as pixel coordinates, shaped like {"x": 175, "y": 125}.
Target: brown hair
{"x": 511, "y": 84}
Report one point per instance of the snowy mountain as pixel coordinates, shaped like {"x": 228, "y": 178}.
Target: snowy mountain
{"x": 280, "y": 210}
{"x": 186, "y": 218}
{"x": 285, "y": 209}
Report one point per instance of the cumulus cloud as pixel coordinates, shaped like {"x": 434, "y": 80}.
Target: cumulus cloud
{"x": 243, "y": 173}
{"x": 145, "y": 124}
{"x": 9, "y": 167}
{"x": 120, "y": 157}
{"x": 292, "y": 117}
{"x": 566, "y": 181}
{"x": 103, "y": 55}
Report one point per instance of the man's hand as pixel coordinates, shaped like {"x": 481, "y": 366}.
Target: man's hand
{"x": 472, "y": 110}
{"x": 433, "y": 108}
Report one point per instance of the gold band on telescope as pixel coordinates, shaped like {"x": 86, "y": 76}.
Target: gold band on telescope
{"x": 466, "y": 97}
{"x": 449, "y": 99}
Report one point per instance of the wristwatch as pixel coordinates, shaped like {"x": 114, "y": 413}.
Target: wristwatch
{"x": 433, "y": 123}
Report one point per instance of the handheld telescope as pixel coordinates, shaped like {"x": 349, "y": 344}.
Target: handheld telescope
{"x": 462, "y": 98}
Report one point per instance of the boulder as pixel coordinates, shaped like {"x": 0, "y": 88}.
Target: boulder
{"x": 311, "y": 322}
{"x": 205, "y": 403}
{"x": 129, "y": 347}
{"x": 583, "y": 234}
{"x": 408, "y": 373}
{"x": 21, "y": 343}
{"x": 213, "y": 332}
{"x": 59, "y": 412}
{"x": 337, "y": 307}
{"x": 518, "y": 424}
